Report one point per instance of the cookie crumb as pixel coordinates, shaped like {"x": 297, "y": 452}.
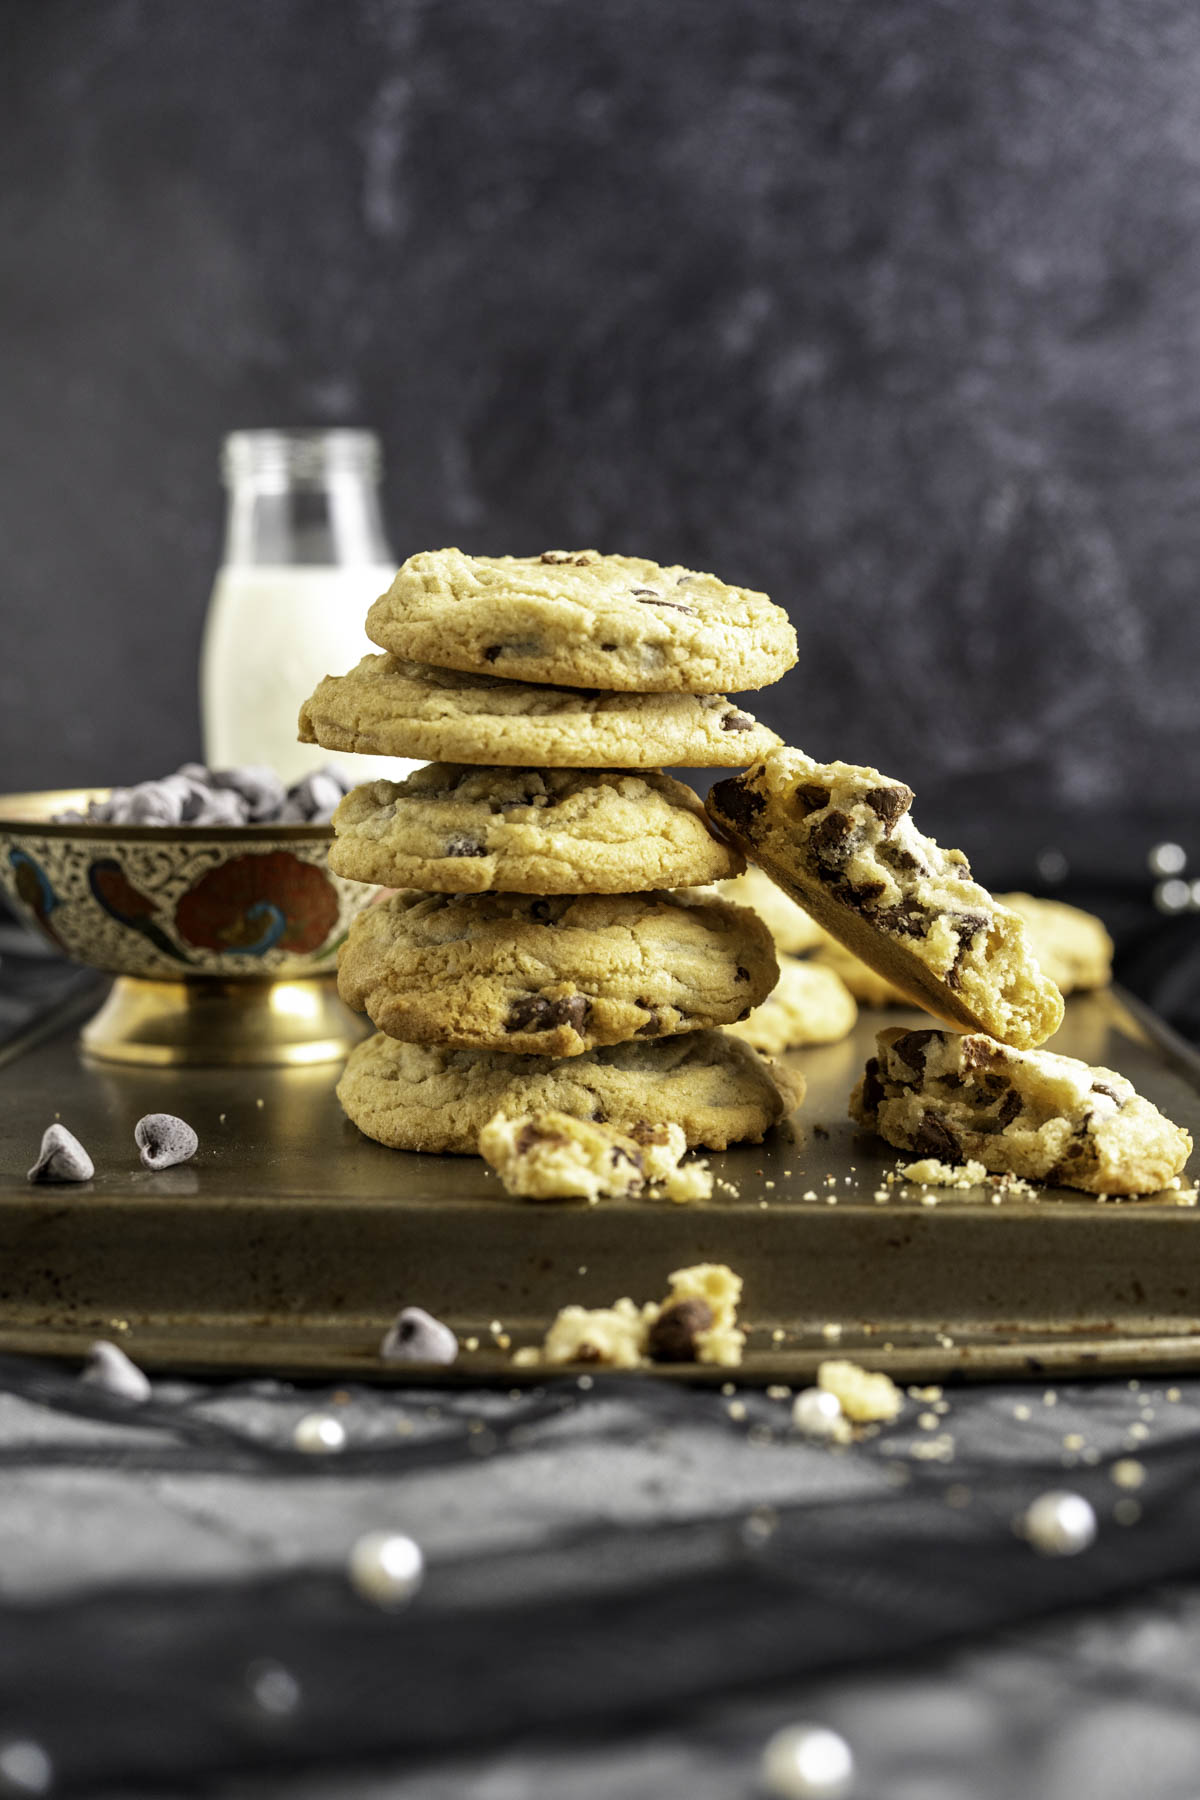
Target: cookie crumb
{"x": 864, "y": 1396}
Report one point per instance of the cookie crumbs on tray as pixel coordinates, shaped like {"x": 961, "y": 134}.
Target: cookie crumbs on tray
{"x": 864, "y": 1396}
{"x": 697, "y": 1322}
{"x": 929, "y": 1172}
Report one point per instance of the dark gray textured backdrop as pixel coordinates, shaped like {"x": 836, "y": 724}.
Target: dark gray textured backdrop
{"x": 891, "y": 307}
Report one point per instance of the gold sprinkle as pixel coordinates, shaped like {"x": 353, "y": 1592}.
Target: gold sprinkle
{"x": 471, "y": 1343}
{"x": 736, "y": 1409}
{"x": 1128, "y": 1472}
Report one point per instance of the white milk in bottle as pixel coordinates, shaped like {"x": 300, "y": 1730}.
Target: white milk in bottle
{"x": 305, "y": 555}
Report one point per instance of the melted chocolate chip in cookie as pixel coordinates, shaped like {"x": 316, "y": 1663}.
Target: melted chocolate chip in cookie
{"x": 889, "y": 804}
{"x": 933, "y": 1139}
{"x": 535, "y": 1013}
{"x": 740, "y": 805}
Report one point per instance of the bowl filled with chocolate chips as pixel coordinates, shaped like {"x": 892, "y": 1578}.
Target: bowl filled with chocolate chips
{"x": 207, "y": 895}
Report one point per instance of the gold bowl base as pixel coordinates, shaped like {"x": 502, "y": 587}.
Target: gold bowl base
{"x": 213, "y": 1023}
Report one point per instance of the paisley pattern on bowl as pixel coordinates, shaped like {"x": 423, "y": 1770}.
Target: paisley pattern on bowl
{"x": 239, "y": 902}
{"x": 252, "y": 904}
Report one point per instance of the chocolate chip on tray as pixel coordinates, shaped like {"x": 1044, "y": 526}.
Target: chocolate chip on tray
{"x": 672, "y": 1337}
{"x": 108, "y": 1368}
{"x": 416, "y": 1336}
{"x": 165, "y": 1140}
{"x": 62, "y": 1158}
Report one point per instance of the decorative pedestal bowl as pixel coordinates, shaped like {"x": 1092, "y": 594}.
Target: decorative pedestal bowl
{"x": 223, "y": 939}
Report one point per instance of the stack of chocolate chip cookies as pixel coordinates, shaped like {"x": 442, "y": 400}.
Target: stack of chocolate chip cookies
{"x": 535, "y": 954}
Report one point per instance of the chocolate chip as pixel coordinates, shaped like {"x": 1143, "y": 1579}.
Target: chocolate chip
{"x": 865, "y": 893}
{"x": 531, "y": 1134}
{"x": 580, "y": 559}
{"x": 676, "y": 605}
{"x": 533, "y": 1012}
{"x": 889, "y": 804}
{"x": 416, "y": 1336}
{"x": 908, "y": 919}
{"x": 873, "y": 1090}
{"x": 603, "y": 647}
{"x": 672, "y": 1337}
{"x": 619, "y": 1154}
{"x": 461, "y": 845}
{"x": 933, "y": 1139}
{"x": 653, "y": 1026}
{"x": 897, "y": 857}
{"x": 736, "y": 802}
{"x": 832, "y": 839}
{"x": 1102, "y": 1087}
{"x": 1010, "y": 1106}
{"x": 741, "y": 974}
{"x": 643, "y": 1132}
{"x": 599, "y": 1116}
{"x": 492, "y": 652}
{"x": 540, "y": 910}
{"x": 165, "y": 1140}
{"x": 61, "y": 1158}
{"x": 737, "y": 721}
{"x": 109, "y": 1369}
{"x": 812, "y": 797}
{"x": 912, "y": 1049}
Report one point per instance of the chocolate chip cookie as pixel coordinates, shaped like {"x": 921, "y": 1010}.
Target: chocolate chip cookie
{"x": 791, "y": 927}
{"x": 1030, "y": 1113}
{"x": 453, "y": 828}
{"x": 1072, "y": 946}
{"x": 697, "y": 1322}
{"x": 385, "y": 707}
{"x": 575, "y": 616}
{"x": 840, "y": 840}
{"x": 552, "y": 1156}
{"x": 429, "y": 1097}
{"x": 807, "y": 1005}
{"x": 555, "y": 975}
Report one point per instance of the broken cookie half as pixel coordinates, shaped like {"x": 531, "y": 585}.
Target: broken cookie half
{"x": 1027, "y": 1113}
{"x": 840, "y": 840}
{"x": 697, "y": 1322}
{"x": 552, "y": 1156}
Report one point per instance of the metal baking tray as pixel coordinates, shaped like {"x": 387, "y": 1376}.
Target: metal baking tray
{"x": 289, "y": 1243}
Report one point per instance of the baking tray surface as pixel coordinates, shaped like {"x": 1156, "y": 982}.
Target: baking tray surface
{"x": 290, "y": 1242}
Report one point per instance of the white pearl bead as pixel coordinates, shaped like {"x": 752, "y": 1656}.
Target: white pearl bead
{"x": 273, "y": 1689}
{"x": 317, "y": 1434}
{"x": 1060, "y": 1524}
{"x": 807, "y": 1762}
{"x": 817, "y": 1413}
{"x": 24, "y": 1767}
{"x": 386, "y": 1568}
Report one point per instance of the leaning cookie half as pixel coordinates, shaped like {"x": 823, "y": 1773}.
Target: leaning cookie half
{"x": 839, "y": 839}
{"x": 556, "y": 975}
{"x": 1023, "y": 1112}
{"x": 386, "y": 707}
{"x": 427, "y": 1097}
{"x": 454, "y": 828}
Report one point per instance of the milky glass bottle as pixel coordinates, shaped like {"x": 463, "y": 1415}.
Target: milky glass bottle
{"x": 305, "y": 555}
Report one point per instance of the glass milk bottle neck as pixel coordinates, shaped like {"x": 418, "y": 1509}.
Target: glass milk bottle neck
{"x": 303, "y": 498}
